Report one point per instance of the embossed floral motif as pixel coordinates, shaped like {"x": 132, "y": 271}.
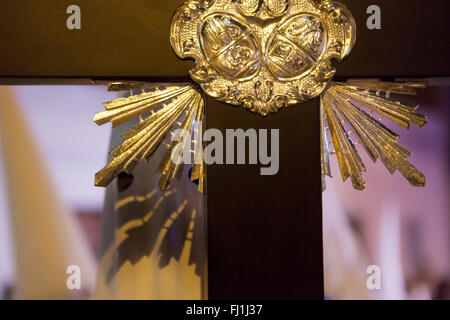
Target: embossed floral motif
{"x": 268, "y": 7}
{"x": 239, "y": 46}
{"x": 238, "y": 56}
{"x": 307, "y": 31}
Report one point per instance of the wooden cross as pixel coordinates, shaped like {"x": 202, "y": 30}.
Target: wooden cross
{"x": 264, "y": 232}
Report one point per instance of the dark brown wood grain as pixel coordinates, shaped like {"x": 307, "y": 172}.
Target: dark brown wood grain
{"x": 265, "y": 232}
{"x": 130, "y": 39}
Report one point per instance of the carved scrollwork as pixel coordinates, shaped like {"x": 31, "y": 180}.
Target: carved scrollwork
{"x": 253, "y": 52}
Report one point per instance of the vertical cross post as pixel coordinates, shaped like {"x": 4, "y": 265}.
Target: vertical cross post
{"x": 265, "y": 232}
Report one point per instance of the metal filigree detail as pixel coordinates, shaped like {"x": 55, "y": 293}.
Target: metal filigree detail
{"x": 345, "y": 103}
{"x": 263, "y": 55}
{"x": 160, "y": 110}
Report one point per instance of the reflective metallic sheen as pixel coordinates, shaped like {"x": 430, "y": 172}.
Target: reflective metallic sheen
{"x": 262, "y": 55}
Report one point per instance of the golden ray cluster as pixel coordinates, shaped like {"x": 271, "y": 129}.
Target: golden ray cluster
{"x": 262, "y": 67}
{"x": 161, "y": 109}
{"x": 344, "y": 115}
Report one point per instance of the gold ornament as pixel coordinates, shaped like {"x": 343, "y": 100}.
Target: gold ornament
{"x": 164, "y": 106}
{"x": 343, "y": 103}
{"x": 263, "y": 55}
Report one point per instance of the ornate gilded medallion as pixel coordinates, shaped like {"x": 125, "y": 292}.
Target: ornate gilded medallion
{"x": 263, "y": 55}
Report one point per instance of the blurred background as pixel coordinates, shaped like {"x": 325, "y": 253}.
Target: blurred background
{"x": 50, "y": 144}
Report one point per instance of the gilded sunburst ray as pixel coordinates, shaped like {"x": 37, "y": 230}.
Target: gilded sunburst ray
{"x": 173, "y": 106}
{"x": 345, "y": 102}
{"x": 245, "y": 55}
{"x": 167, "y": 107}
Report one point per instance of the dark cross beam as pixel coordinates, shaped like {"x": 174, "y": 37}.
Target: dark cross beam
{"x": 130, "y": 39}
{"x": 264, "y": 232}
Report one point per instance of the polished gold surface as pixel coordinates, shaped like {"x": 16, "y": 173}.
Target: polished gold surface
{"x": 344, "y": 117}
{"x": 262, "y": 55}
{"x": 159, "y": 110}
